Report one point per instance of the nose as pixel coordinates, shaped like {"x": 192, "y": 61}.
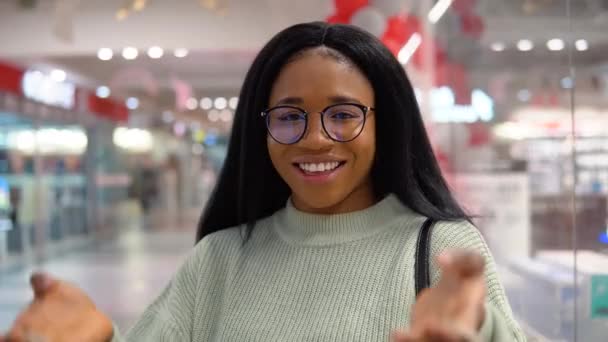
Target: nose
{"x": 315, "y": 136}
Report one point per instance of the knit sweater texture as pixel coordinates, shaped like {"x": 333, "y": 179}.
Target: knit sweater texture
{"x": 306, "y": 277}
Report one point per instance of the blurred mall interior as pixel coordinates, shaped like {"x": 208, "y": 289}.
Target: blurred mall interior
{"x": 115, "y": 115}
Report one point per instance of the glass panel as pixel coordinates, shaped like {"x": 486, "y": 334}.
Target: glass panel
{"x": 494, "y": 83}
{"x": 17, "y": 178}
{"x": 589, "y": 166}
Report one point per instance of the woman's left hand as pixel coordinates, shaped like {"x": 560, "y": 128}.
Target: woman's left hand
{"x": 454, "y": 309}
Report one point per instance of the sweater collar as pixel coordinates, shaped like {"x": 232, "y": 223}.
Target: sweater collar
{"x": 298, "y": 227}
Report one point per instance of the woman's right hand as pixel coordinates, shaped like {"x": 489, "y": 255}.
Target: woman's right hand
{"x": 59, "y": 312}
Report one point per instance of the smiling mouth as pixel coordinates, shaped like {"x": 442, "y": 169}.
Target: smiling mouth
{"x": 319, "y": 168}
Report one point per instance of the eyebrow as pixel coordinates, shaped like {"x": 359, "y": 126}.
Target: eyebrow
{"x": 292, "y": 100}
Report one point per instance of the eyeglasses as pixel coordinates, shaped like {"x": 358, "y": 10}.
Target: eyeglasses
{"x": 341, "y": 122}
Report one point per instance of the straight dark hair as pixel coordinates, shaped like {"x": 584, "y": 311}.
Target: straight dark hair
{"x": 249, "y": 188}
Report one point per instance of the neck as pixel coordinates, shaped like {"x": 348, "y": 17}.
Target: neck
{"x": 305, "y": 228}
{"x": 361, "y": 198}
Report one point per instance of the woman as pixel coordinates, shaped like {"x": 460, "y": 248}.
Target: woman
{"x": 311, "y": 231}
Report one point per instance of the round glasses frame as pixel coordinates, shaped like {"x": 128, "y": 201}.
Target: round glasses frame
{"x": 363, "y": 108}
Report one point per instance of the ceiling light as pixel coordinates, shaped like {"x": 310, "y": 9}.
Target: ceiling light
{"x": 105, "y": 54}
{"x": 206, "y": 103}
{"x": 439, "y": 10}
{"x": 525, "y": 45}
{"x": 582, "y": 45}
{"x": 233, "y": 102}
{"x": 129, "y": 53}
{"x": 498, "y": 46}
{"x": 180, "y": 53}
{"x": 191, "y": 103}
{"x": 556, "y": 44}
{"x": 220, "y": 103}
{"x": 155, "y": 52}
{"x": 132, "y": 103}
{"x": 408, "y": 50}
{"x": 103, "y": 92}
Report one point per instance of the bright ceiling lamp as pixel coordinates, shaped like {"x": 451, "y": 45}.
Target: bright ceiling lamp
{"x": 439, "y": 10}
{"x": 409, "y": 49}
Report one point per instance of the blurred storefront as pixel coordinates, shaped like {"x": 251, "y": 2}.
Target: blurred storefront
{"x": 50, "y": 164}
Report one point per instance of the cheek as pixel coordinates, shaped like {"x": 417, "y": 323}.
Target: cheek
{"x": 365, "y": 145}
{"x": 276, "y": 152}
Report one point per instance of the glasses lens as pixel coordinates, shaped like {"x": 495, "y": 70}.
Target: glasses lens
{"x": 344, "y": 122}
{"x": 286, "y": 125}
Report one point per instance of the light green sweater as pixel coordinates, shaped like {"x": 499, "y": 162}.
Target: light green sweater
{"x": 305, "y": 277}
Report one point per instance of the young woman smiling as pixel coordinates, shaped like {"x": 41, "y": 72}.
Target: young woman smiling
{"x": 311, "y": 233}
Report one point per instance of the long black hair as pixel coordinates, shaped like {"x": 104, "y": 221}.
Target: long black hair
{"x": 249, "y": 188}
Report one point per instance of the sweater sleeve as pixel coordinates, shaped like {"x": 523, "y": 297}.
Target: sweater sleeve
{"x": 499, "y": 324}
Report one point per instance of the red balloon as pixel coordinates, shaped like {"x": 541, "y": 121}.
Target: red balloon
{"x": 349, "y": 7}
{"x": 472, "y": 25}
{"x": 401, "y": 27}
{"x": 337, "y": 19}
{"x": 393, "y": 45}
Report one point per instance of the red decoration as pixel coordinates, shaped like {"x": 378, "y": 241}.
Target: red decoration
{"x": 401, "y": 27}
{"x": 392, "y": 45}
{"x": 337, "y": 19}
{"x": 107, "y": 108}
{"x": 472, "y": 25}
{"x": 346, "y": 8}
{"x": 10, "y": 78}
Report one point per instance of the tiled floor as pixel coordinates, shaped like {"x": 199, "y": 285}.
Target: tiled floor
{"x": 122, "y": 277}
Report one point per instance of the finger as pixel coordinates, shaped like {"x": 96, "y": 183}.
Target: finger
{"x": 436, "y": 331}
{"x": 460, "y": 263}
{"x": 42, "y": 283}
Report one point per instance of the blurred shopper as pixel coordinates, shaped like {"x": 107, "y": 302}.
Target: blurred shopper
{"x": 312, "y": 230}
{"x": 169, "y": 191}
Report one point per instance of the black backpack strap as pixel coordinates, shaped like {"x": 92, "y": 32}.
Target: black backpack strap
{"x": 423, "y": 249}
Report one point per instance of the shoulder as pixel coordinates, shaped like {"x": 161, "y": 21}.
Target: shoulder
{"x": 219, "y": 244}
{"x": 229, "y": 242}
{"x": 460, "y": 234}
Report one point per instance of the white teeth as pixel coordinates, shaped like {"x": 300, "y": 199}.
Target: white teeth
{"x": 320, "y": 167}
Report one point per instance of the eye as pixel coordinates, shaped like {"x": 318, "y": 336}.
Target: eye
{"x": 343, "y": 115}
{"x": 293, "y": 116}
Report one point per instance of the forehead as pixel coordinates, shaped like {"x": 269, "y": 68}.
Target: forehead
{"x": 317, "y": 75}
